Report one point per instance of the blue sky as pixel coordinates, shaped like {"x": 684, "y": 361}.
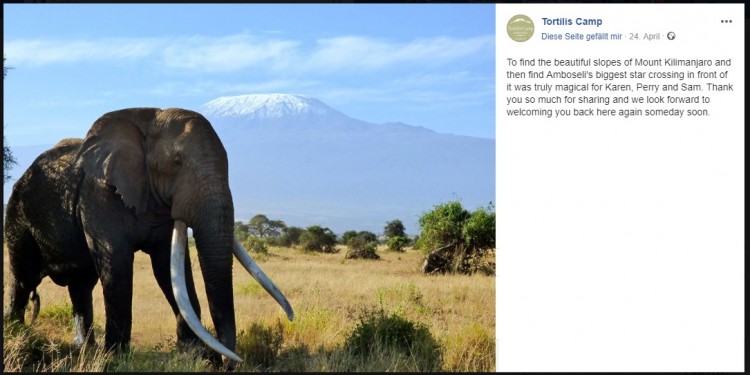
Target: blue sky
{"x": 431, "y": 65}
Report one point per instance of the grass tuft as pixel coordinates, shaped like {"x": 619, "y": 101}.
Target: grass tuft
{"x": 260, "y": 345}
{"x": 472, "y": 349}
{"x": 25, "y": 349}
{"x": 61, "y": 314}
{"x": 390, "y": 335}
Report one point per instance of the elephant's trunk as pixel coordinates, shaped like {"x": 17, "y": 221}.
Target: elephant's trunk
{"x": 177, "y": 266}
{"x": 215, "y": 255}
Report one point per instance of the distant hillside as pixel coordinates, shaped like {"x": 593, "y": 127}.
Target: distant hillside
{"x": 293, "y": 158}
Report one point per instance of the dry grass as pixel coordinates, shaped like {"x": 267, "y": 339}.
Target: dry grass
{"x": 329, "y": 295}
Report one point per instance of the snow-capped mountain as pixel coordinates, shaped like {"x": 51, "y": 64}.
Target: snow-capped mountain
{"x": 267, "y": 106}
{"x": 274, "y": 113}
{"x": 296, "y": 159}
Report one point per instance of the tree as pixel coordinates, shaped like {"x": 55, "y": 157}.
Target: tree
{"x": 456, "y": 240}
{"x": 261, "y": 226}
{"x": 317, "y": 238}
{"x": 394, "y": 228}
{"x": 290, "y": 236}
{"x": 276, "y": 227}
{"x": 5, "y": 68}
{"x": 8, "y": 160}
{"x": 347, "y": 236}
{"x": 260, "y": 231}
{"x": 365, "y": 235}
{"x": 241, "y": 231}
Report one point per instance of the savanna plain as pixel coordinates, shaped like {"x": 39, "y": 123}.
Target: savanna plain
{"x": 343, "y": 310}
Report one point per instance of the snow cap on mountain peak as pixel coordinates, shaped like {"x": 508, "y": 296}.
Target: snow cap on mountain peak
{"x": 265, "y": 106}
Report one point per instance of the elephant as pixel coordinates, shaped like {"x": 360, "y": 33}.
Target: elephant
{"x": 137, "y": 181}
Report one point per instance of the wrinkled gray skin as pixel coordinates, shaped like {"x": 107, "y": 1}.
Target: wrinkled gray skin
{"x": 83, "y": 208}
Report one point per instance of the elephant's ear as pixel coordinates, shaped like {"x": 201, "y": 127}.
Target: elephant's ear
{"x": 113, "y": 150}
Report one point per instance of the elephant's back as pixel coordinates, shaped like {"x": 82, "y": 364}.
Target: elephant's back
{"x": 49, "y": 171}
{"x": 43, "y": 199}
{"x": 61, "y": 153}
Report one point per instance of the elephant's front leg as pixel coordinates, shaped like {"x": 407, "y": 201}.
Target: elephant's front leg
{"x": 116, "y": 274}
{"x": 160, "y": 264}
{"x": 80, "y": 290}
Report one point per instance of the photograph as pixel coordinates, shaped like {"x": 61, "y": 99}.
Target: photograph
{"x": 249, "y": 187}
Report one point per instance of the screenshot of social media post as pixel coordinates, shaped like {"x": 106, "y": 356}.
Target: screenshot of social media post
{"x": 620, "y": 187}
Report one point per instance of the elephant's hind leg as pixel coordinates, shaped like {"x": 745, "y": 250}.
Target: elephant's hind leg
{"x": 80, "y": 290}
{"x": 19, "y": 299}
{"x": 25, "y": 275}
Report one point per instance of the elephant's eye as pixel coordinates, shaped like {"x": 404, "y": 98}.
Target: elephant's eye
{"x": 177, "y": 161}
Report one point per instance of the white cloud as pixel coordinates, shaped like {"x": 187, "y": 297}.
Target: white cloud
{"x": 212, "y": 88}
{"x": 50, "y": 51}
{"x": 240, "y": 51}
{"x": 351, "y": 52}
{"x": 228, "y": 53}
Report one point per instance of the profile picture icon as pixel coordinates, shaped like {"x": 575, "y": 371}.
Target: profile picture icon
{"x": 520, "y": 28}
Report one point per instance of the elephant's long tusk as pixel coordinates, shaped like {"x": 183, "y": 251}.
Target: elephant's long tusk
{"x": 260, "y": 276}
{"x": 177, "y": 269}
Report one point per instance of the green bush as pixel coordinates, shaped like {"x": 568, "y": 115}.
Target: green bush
{"x": 256, "y": 244}
{"x": 316, "y": 238}
{"x": 456, "y": 240}
{"x": 442, "y": 225}
{"x": 377, "y": 331}
{"x": 415, "y": 243}
{"x": 479, "y": 230}
{"x": 361, "y": 248}
{"x": 397, "y": 243}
